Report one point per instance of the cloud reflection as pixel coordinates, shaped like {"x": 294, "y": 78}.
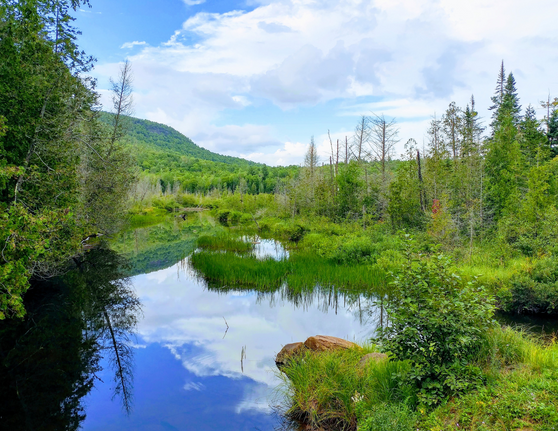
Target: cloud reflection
{"x": 187, "y": 318}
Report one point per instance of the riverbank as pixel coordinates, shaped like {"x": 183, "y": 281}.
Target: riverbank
{"x": 520, "y": 284}
{"x": 517, "y": 389}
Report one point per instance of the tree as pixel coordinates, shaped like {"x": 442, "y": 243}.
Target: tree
{"x": 532, "y": 141}
{"x": 361, "y": 138}
{"x": 51, "y": 138}
{"x": 503, "y": 164}
{"x": 106, "y": 165}
{"x": 498, "y": 97}
{"x": 452, "y": 124}
{"x": 383, "y": 138}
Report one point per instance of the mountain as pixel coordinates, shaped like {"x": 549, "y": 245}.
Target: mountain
{"x": 159, "y": 137}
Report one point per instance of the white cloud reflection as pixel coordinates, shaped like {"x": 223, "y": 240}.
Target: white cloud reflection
{"x": 181, "y": 314}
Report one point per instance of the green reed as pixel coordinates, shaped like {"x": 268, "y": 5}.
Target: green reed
{"x": 300, "y": 273}
{"x": 233, "y": 270}
{"x": 223, "y": 241}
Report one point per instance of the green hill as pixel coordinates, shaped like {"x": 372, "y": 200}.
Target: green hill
{"x": 159, "y": 137}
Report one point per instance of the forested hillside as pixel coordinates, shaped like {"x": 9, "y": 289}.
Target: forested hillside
{"x": 170, "y": 162}
{"x": 159, "y": 137}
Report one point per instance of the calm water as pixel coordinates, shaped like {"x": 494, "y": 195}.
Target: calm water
{"x": 73, "y": 364}
{"x": 188, "y": 373}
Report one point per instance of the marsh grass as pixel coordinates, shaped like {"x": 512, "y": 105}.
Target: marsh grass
{"x": 325, "y": 389}
{"x": 230, "y": 270}
{"x": 506, "y": 346}
{"x": 300, "y": 273}
{"x": 224, "y": 241}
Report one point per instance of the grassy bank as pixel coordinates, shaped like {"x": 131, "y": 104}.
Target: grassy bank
{"x": 517, "y": 390}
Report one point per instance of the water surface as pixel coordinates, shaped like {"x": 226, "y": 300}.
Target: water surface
{"x": 188, "y": 369}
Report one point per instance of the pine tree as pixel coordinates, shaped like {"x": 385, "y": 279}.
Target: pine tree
{"x": 552, "y": 133}
{"x": 510, "y": 103}
{"x": 532, "y": 140}
{"x": 503, "y": 169}
{"x": 498, "y": 97}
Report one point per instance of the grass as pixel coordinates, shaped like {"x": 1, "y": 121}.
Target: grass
{"x": 520, "y": 392}
{"x": 231, "y": 270}
{"x": 301, "y": 273}
{"x": 223, "y": 241}
{"x": 322, "y": 389}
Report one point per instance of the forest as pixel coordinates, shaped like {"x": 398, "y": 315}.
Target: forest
{"x": 443, "y": 239}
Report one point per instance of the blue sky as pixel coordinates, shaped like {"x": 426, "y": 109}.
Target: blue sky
{"x": 258, "y": 78}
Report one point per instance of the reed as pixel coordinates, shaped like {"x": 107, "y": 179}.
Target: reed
{"x": 230, "y": 270}
{"x": 224, "y": 241}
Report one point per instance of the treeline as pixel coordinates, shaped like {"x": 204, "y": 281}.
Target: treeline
{"x": 168, "y": 173}
{"x": 171, "y": 163}
{"x": 466, "y": 181}
{"x": 64, "y": 175}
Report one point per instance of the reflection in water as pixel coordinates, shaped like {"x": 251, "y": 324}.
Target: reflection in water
{"x": 50, "y": 358}
{"x": 190, "y": 376}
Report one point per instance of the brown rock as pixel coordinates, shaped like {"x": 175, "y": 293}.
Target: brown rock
{"x": 288, "y": 351}
{"x": 321, "y": 343}
{"x": 372, "y": 357}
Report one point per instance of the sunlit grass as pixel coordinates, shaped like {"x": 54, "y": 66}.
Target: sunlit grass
{"x": 224, "y": 241}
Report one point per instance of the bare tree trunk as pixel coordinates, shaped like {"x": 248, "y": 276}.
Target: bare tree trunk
{"x": 421, "y": 185}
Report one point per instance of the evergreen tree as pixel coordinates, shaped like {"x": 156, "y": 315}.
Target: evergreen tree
{"x": 510, "y": 103}
{"x": 552, "y": 133}
{"x": 532, "y": 140}
{"x": 503, "y": 166}
{"x": 498, "y": 97}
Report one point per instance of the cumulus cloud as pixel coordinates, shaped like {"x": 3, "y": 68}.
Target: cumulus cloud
{"x": 416, "y": 55}
{"x": 273, "y": 27}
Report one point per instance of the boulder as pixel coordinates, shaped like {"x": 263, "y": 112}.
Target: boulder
{"x": 372, "y": 357}
{"x": 321, "y": 343}
{"x": 288, "y": 351}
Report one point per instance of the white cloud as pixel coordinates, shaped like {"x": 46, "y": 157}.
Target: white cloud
{"x": 193, "y": 386}
{"x": 129, "y": 45}
{"x": 415, "y": 55}
{"x": 193, "y": 2}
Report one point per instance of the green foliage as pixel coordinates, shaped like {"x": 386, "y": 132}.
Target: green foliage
{"x": 231, "y": 270}
{"x": 518, "y": 399}
{"x": 437, "y": 322}
{"x": 37, "y": 241}
{"x": 331, "y": 387}
{"x": 536, "y": 291}
{"x": 61, "y": 177}
{"x": 503, "y": 167}
{"x": 386, "y": 417}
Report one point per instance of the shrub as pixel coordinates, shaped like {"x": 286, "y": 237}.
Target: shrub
{"x": 536, "y": 292}
{"x": 437, "y": 322}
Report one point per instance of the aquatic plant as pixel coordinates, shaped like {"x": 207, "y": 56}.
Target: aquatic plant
{"x": 224, "y": 241}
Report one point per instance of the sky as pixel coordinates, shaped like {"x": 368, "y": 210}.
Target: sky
{"x": 258, "y": 78}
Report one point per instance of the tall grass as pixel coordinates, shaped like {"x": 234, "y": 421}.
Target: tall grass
{"x": 224, "y": 241}
{"x": 301, "y": 273}
{"x": 328, "y": 386}
{"x": 230, "y": 269}
{"x": 506, "y": 346}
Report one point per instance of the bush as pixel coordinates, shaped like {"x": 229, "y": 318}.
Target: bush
{"x": 437, "y": 322}
{"x": 536, "y": 292}
{"x": 188, "y": 201}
